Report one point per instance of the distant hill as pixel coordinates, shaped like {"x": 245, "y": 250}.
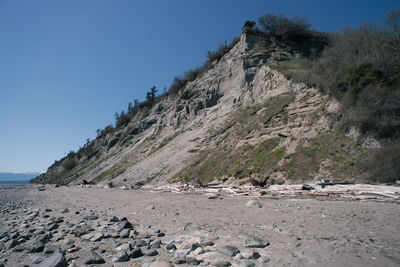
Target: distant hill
{"x": 9, "y": 176}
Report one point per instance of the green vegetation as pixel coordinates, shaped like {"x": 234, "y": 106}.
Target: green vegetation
{"x": 346, "y": 159}
{"x": 114, "y": 171}
{"x": 226, "y": 160}
{"x": 360, "y": 67}
{"x": 245, "y": 161}
{"x": 70, "y": 163}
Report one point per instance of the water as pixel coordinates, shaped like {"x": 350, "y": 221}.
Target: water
{"x": 14, "y": 182}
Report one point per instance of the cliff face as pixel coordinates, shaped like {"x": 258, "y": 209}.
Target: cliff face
{"x": 241, "y": 121}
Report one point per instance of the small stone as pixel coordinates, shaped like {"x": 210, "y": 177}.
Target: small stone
{"x": 113, "y": 219}
{"x": 170, "y": 246}
{"x": 151, "y": 252}
{"x": 88, "y": 236}
{"x": 238, "y": 256}
{"x": 38, "y": 260}
{"x": 179, "y": 259}
{"x": 156, "y": 244}
{"x": 125, "y": 233}
{"x": 97, "y": 237}
{"x": 255, "y": 242}
{"x": 250, "y": 254}
{"x": 253, "y": 203}
{"x": 264, "y": 259}
{"x": 207, "y": 244}
{"x": 74, "y": 249}
{"x": 160, "y": 263}
{"x": 19, "y": 248}
{"x": 94, "y": 258}
{"x": 160, "y": 234}
{"x": 198, "y": 251}
{"x": 36, "y": 247}
{"x": 124, "y": 224}
{"x": 52, "y": 227}
{"x": 50, "y": 249}
{"x": 57, "y": 260}
{"x": 13, "y": 244}
{"x": 192, "y": 261}
{"x": 65, "y": 211}
{"x": 230, "y": 251}
{"x": 91, "y": 217}
{"x": 121, "y": 257}
{"x": 136, "y": 253}
{"x": 140, "y": 243}
{"x": 222, "y": 264}
{"x": 246, "y": 263}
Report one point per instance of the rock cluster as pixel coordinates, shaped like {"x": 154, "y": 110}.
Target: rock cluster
{"x": 41, "y": 237}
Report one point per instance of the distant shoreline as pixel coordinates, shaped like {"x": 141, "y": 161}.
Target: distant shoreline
{"x": 14, "y": 182}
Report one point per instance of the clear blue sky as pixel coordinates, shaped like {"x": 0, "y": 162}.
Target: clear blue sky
{"x": 67, "y": 66}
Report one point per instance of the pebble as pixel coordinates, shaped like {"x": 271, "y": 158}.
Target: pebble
{"x": 121, "y": 257}
{"x": 36, "y": 247}
{"x": 222, "y": 264}
{"x": 160, "y": 263}
{"x": 94, "y": 258}
{"x": 230, "y": 251}
{"x": 57, "y": 260}
{"x": 250, "y": 254}
{"x": 255, "y": 242}
{"x": 170, "y": 246}
{"x": 254, "y": 203}
{"x": 151, "y": 252}
{"x": 136, "y": 253}
{"x": 246, "y": 263}
{"x": 124, "y": 224}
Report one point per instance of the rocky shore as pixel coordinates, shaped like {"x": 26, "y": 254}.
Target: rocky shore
{"x": 75, "y": 226}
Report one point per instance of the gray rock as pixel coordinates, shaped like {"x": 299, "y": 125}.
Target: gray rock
{"x": 113, "y": 219}
{"x": 57, "y": 260}
{"x": 125, "y": 233}
{"x": 253, "y": 203}
{"x": 264, "y": 259}
{"x": 151, "y": 252}
{"x": 251, "y": 254}
{"x": 52, "y": 226}
{"x": 246, "y": 263}
{"x": 13, "y": 244}
{"x": 160, "y": 263}
{"x": 179, "y": 259}
{"x": 36, "y": 247}
{"x": 124, "y": 224}
{"x": 230, "y": 251}
{"x": 91, "y": 217}
{"x": 136, "y": 253}
{"x": 222, "y": 264}
{"x": 192, "y": 261}
{"x": 170, "y": 246}
{"x": 121, "y": 257}
{"x": 156, "y": 244}
{"x": 255, "y": 242}
{"x": 140, "y": 243}
{"x": 93, "y": 258}
{"x": 97, "y": 237}
{"x": 38, "y": 260}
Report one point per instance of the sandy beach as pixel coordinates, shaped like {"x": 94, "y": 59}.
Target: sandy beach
{"x": 72, "y": 225}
